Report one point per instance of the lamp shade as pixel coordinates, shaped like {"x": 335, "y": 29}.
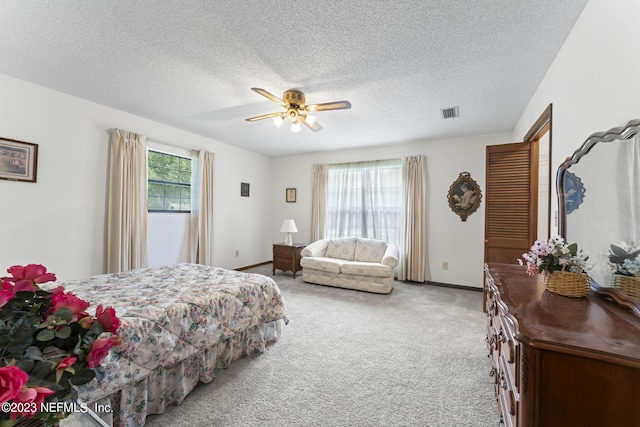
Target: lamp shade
{"x": 288, "y": 226}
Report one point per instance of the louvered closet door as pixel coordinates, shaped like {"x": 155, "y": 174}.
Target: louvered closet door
{"x": 511, "y": 204}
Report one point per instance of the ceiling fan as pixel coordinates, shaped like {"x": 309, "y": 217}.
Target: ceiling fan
{"x": 296, "y": 110}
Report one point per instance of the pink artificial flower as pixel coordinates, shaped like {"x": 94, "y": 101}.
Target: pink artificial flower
{"x": 28, "y": 395}
{"x": 99, "y": 351}
{"x": 76, "y": 305}
{"x": 65, "y": 363}
{"x": 107, "y": 318}
{"x": 57, "y": 290}
{"x": 12, "y": 379}
{"x": 6, "y": 293}
{"x": 27, "y": 277}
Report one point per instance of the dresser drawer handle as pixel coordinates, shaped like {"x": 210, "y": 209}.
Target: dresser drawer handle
{"x": 512, "y": 403}
{"x": 492, "y": 372}
{"x": 503, "y": 381}
{"x": 502, "y": 337}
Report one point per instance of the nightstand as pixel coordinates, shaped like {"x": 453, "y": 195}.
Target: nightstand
{"x": 287, "y": 257}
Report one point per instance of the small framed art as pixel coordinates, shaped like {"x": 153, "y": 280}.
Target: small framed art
{"x": 291, "y": 195}
{"x": 244, "y": 189}
{"x": 18, "y": 160}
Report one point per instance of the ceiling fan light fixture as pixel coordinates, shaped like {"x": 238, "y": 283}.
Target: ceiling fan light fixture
{"x": 278, "y": 120}
{"x": 310, "y": 119}
{"x": 296, "y": 110}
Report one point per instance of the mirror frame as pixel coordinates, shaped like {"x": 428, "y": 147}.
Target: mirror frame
{"x": 614, "y": 134}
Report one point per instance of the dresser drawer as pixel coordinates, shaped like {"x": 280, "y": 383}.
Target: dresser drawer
{"x": 283, "y": 252}
{"x": 282, "y": 258}
{"x": 508, "y": 397}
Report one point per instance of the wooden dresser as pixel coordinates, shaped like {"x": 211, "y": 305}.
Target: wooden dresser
{"x": 287, "y": 257}
{"x": 560, "y": 361}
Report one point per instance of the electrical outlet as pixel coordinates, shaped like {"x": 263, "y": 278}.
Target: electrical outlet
{"x": 445, "y": 265}
{"x": 237, "y": 253}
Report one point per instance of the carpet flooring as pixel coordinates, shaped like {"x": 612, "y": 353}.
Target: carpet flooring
{"x": 415, "y": 357}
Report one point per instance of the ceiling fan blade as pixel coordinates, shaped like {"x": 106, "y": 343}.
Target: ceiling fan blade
{"x": 339, "y": 105}
{"x": 314, "y": 126}
{"x": 264, "y": 116}
{"x": 270, "y": 96}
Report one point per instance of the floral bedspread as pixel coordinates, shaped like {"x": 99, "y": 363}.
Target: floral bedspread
{"x": 175, "y": 314}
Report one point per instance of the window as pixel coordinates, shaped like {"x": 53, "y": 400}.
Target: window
{"x": 169, "y": 183}
{"x": 364, "y": 199}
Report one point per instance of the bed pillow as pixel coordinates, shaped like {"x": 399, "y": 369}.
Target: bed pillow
{"x": 369, "y": 250}
{"x": 341, "y": 248}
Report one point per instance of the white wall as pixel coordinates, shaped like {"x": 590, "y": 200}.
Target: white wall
{"x": 594, "y": 81}
{"x": 60, "y": 220}
{"x": 448, "y": 238}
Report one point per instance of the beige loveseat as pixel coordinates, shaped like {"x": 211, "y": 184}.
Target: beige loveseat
{"x": 352, "y": 263}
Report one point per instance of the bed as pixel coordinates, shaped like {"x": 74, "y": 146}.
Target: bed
{"x": 179, "y": 324}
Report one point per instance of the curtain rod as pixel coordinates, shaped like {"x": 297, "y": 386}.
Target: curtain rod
{"x": 171, "y": 144}
{"x": 370, "y": 161}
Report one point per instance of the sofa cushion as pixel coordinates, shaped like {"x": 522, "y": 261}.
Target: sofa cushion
{"x": 369, "y": 250}
{"x": 343, "y": 248}
{"x": 330, "y": 265}
{"x": 371, "y": 269}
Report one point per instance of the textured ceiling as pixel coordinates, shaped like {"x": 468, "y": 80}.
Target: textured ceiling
{"x": 191, "y": 64}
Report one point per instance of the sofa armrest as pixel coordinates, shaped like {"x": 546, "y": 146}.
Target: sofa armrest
{"x": 315, "y": 249}
{"x": 391, "y": 255}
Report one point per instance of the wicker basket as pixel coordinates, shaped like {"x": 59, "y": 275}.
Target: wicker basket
{"x": 629, "y": 285}
{"x": 566, "y": 283}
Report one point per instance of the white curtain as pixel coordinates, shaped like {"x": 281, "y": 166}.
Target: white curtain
{"x": 413, "y": 265}
{"x": 383, "y": 199}
{"x": 201, "y": 221}
{"x": 127, "y": 204}
{"x": 364, "y": 199}
{"x": 318, "y": 197}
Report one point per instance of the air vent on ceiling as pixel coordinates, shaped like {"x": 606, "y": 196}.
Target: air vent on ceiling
{"x": 450, "y": 113}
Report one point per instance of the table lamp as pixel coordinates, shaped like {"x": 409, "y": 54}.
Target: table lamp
{"x": 288, "y": 226}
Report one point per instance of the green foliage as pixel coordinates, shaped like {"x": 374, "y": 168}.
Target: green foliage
{"x": 169, "y": 182}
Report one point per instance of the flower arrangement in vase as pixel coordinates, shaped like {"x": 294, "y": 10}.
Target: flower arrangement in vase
{"x": 49, "y": 345}
{"x": 561, "y": 266}
{"x": 625, "y": 259}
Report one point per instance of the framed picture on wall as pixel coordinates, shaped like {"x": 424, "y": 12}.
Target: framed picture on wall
{"x": 18, "y": 160}
{"x": 244, "y": 189}
{"x": 464, "y": 196}
{"x": 291, "y": 195}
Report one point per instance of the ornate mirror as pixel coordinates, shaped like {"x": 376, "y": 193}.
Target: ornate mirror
{"x": 599, "y": 206}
